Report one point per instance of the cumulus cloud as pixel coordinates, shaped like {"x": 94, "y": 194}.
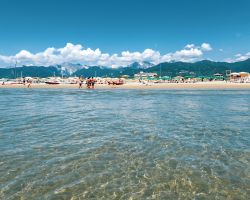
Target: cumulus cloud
{"x": 206, "y": 47}
{"x": 189, "y": 46}
{"x": 190, "y": 53}
{"x": 78, "y": 54}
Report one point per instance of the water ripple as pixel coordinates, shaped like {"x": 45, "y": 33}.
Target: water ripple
{"x": 124, "y": 144}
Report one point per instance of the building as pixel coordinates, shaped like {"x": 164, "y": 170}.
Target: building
{"x": 144, "y": 75}
{"x": 239, "y": 77}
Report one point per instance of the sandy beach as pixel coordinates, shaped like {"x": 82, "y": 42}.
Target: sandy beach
{"x": 199, "y": 85}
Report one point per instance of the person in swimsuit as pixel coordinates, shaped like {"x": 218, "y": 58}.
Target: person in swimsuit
{"x": 92, "y": 82}
{"x": 80, "y": 81}
{"x": 29, "y": 83}
{"x": 88, "y": 82}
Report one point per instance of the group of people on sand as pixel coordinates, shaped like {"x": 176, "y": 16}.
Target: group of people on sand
{"x": 90, "y": 82}
{"x": 24, "y": 81}
{"x": 28, "y": 81}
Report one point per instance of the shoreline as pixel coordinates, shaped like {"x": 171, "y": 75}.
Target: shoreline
{"x": 199, "y": 85}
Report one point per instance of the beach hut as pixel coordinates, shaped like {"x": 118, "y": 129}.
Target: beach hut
{"x": 234, "y": 76}
{"x": 218, "y": 76}
{"x": 244, "y": 77}
{"x": 143, "y": 75}
{"x": 244, "y": 74}
{"x": 178, "y": 78}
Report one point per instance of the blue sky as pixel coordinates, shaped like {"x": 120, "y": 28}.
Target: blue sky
{"x": 113, "y": 27}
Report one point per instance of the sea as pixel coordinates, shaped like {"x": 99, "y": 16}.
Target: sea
{"x": 124, "y": 144}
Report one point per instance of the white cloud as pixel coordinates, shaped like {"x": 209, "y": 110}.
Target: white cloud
{"x": 206, "y": 47}
{"x": 238, "y": 57}
{"x": 189, "y": 46}
{"x": 190, "y": 53}
{"x": 242, "y": 57}
{"x": 78, "y": 54}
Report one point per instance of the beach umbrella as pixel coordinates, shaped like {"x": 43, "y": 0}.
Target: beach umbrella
{"x": 166, "y": 78}
{"x": 187, "y": 77}
{"x": 151, "y": 78}
{"x": 178, "y": 78}
{"x": 217, "y": 74}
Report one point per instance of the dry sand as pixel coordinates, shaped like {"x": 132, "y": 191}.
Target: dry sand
{"x": 200, "y": 85}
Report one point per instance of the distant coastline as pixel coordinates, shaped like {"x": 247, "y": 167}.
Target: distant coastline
{"x": 135, "y": 85}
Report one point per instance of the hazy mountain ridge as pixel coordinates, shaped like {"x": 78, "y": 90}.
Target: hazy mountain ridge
{"x": 204, "y": 67}
{"x": 141, "y": 65}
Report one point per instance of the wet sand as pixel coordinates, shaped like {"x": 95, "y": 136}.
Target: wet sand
{"x": 199, "y": 85}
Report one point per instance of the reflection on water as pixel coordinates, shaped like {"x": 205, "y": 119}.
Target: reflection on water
{"x": 124, "y": 144}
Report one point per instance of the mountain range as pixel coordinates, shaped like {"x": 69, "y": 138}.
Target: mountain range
{"x": 205, "y": 68}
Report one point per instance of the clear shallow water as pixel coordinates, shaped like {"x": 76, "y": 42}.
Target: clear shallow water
{"x": 124, "y": 144}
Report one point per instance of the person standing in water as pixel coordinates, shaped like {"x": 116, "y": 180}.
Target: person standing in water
{"x": 88, "y": 82}
{"x": 93, "y": 82}
{"x": 80, "y": 81}
{"x": 29, "y": 83}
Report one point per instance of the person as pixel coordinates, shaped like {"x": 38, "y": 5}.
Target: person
{"x": 24, "y": 81}
{"x": 80, "y": 81}
{"x": 29, "y": 83}
{"x": 93, "y": 82}
{"x": 88, "y": 82}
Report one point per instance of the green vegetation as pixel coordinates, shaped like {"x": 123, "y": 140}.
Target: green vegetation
{"x": 202, "y": 69}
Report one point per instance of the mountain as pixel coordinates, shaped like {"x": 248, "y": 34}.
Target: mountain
{"x": 98, "y": 71}
{"x": 141, "y": 65}
{"x": 243, "y": 66}
{"x": 205, "y": 68}
{"x": 33, "y": 71}
{"x": 181, "y": 68}
{"x": 68, "y": 69}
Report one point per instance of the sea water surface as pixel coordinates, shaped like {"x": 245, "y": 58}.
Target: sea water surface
{"x": 124, "y": 144}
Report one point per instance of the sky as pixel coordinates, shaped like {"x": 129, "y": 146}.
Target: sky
{"x": 118, "y": 32}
